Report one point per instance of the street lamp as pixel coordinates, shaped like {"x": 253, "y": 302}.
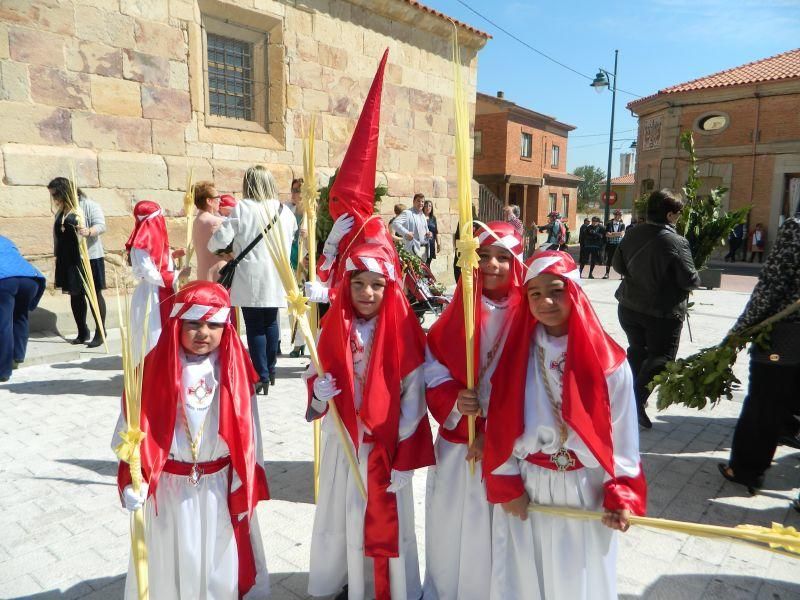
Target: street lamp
{"x": 601, "y": 81}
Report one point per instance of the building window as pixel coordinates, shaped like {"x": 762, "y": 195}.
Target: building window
{"x": 565, "y": 205}
{"x": 553, "y": 202}
{"x": 478, "y": 142}
{"x": 526, "y": 145}
{"x": 712, "y": 122}
{"x": 230, "y": 77}
{"x": 555, "y": 151}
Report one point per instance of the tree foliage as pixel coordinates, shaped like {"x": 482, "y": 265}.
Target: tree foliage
{"x": 702, "y": 221}
{"x": 324, "y": 221}
{"x": 589, "y": 189}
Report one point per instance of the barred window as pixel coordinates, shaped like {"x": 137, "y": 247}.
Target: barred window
{"x": 230, "y": 77}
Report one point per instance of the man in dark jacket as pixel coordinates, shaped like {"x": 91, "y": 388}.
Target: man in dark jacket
{"x": 583, "y": 256}
{"x": 659, "y": 273}
{"x": 593, "y": 240}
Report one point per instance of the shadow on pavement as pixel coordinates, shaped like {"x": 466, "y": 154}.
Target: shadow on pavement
{"x": 96, "y": 387}
{"x": 94, "y": 589}
{"x": 691, "y": 587}
{"x": 290, "y": 480}
{"x": 101, "y": 467}
{"x": 99, "y": 363}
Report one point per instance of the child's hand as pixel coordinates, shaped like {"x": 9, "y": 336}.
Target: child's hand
{"x": 617, "y": 519}
{"x": 467, "y": 403}
{"x": 475, "y": 451}
{"x": 134, "y": 502}
{"x": 325, "y": 388}
{"x": 178, "y": 253}
{"x": 400, "y": 479}
{"x": 518, "y": 507}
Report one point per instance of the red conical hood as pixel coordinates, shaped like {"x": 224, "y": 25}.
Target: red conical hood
{"x": 353, "y": 191}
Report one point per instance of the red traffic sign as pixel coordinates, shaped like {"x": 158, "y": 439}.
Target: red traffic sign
{"x": 612, "y": 199}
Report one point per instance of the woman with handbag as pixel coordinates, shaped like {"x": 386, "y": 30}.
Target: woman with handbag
{"x": 252, "y": 276}
{"x": 772, "y": 396}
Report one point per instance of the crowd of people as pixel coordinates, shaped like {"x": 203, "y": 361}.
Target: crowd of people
{"x": 546, "y": 413}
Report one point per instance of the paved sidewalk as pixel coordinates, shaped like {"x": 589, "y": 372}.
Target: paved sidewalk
{"x": 63, "y": 534}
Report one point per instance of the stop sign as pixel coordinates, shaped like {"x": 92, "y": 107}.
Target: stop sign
{"x": 612, "y": 199}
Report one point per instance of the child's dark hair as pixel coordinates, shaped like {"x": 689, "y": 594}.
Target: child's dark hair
{"x": 662, "y": 202}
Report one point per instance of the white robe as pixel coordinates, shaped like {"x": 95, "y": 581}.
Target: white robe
{"x": 192, "y": 553}
{"x": 150, "y": 280}
{"x": 337, "y": 539}
{"x": 554, "y": 558}
{"x": 458, "y": 517}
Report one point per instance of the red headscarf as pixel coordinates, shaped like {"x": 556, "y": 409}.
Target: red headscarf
{"x": 150, "y": 233}
{"x": 446, "y": 335}
{"x": 591, "y": 355}
{"x": 161, "y": 392}
{"x": 227, "y": 201}
{"x": 398, "y": 347}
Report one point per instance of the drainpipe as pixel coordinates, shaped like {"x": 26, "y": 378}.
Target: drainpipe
{"x": 756, "y": 135}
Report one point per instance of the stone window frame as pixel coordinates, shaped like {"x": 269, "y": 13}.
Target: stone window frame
{"x": 522, "y": 154}
{"x": 555, "y": 157}
{"x": 711, "y": 113}
{"x": 222, "y": 18}
{"x": 478, "y": 142}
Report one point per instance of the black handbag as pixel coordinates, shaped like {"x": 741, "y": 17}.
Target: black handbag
{"x": 227, "y": 272}
{"x": 783, "y": 347}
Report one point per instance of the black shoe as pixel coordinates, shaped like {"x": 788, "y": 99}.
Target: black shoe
{"x": 81, "y": 339}
{"x": 727, "y": 473}
{"x": 272, "y": 378}
{"x": 4, "y": 379}
{"x": 262, "y": 388}
{"x": 605, "y": 276}
{"x": 297, "y": 352}
{"x": 591, "y": 276}
{"x": 96, "y": 342}
{"x": 15, "y": 364}
{"x": 644, "y": 420}
{"x": 342, "y": 595}
{"x": 793, "y": 441}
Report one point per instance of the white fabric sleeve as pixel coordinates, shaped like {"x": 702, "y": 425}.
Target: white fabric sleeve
{"x": 144, "y": 268}
{"x": 224, "y": 235}
{"x": 435, "y": 375}
{"x": 624, "y": 422}
{"x": 412, "y": 402}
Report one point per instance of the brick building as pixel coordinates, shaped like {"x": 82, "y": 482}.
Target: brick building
{"x": 134, "y": 93}
{"x": 746, "y": 131}
{"x": 521, "y": 156}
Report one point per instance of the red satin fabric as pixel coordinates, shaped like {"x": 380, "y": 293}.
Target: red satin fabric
{"x": 627, "y": 493}
{"x": 150, "y": 234}
{"x": 591, "y": 355}
{"x": 161, "y": 393}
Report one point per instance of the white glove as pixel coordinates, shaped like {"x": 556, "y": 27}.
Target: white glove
{"x": 340, "y": 228}
{"x": 132, "y": 500}
{"x": 325, "y": 388}
{"x": 400, "y": 479}
{"x": 316, "y": 292}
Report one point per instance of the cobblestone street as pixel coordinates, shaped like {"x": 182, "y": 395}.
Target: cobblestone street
{"x": 63, "y": 533}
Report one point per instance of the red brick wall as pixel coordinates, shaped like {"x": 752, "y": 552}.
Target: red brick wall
{"x": 491, "y": 160}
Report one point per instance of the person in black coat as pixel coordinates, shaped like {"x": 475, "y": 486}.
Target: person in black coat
{"x": 658, "y": 274}
{"x": 582, "y": 256}
{"x": 593, "y": 239}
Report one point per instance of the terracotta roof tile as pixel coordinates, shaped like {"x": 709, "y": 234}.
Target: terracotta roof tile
{"x": 775, "y": 68}
{"x": 436, "y": 13}
{"x": 628, "y": 179}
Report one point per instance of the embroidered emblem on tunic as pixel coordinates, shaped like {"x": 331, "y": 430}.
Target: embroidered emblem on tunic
{"x": 200, "y": 395}
{"x": 558, "y": 365}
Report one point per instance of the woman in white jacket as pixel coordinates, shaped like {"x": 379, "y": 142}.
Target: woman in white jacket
{"x": 256, "y": 286}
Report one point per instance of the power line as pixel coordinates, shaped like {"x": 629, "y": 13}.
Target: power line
{"x": 539, "y": 52}
{"x": 601, "y": 134}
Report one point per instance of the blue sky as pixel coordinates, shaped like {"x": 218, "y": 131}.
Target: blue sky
{"x": 661, "y": 43}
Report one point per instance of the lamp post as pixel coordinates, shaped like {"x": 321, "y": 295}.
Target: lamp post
{"x": 601, "y": 81}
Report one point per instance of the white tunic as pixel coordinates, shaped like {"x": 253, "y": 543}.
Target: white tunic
{"x": 337, "y": 540}
{"x": 458, "y": 517}
{"x": 146, "y": 293}
{"x": 553, "y": 558}
{"x": 192, "y": 553}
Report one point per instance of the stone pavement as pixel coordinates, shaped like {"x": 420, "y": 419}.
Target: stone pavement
{"x": 63, "y": 534}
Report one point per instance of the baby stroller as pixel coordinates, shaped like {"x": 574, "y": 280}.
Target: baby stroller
{"x": 424, "y": 293}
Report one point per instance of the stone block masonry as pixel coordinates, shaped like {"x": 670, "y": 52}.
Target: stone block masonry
{"x": 118, "y": 91}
